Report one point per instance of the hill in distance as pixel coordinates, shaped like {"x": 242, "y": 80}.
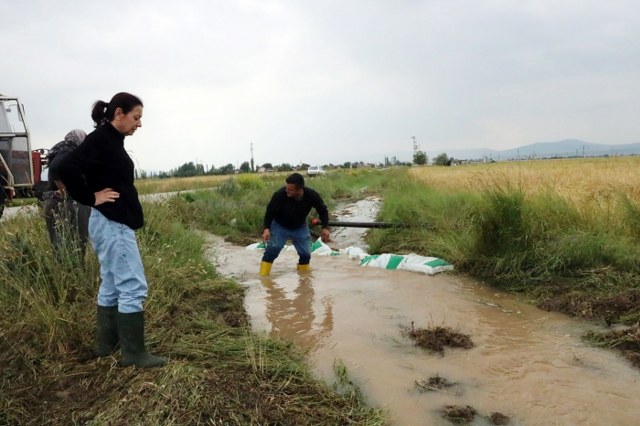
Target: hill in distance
{"x": 564, "y": 148}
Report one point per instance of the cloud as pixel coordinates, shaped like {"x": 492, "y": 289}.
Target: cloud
{"x": 327, "y": 82}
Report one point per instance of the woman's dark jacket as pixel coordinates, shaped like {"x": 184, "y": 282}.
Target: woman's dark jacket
{"x": 101, "y": 162}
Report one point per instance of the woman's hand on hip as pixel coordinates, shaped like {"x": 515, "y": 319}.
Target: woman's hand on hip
{"x": 107, "y": 195}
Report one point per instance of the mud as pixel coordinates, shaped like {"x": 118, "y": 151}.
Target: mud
{"x": 591, "y": 307}
{"x": 626, "y": 340}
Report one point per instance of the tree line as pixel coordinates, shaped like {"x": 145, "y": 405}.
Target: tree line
{"x": 191, "y": 168}
{"x": 420, "y": 158}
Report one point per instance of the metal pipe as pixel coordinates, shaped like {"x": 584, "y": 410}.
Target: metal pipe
{"x": 368, "y": 225}
{"x": 339, "y": 224}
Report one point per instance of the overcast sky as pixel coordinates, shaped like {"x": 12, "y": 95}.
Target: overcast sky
{"x": 327, "y": 81}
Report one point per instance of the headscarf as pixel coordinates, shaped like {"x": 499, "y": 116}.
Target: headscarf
{"x": 76, "y": 135}
{"x": 71, "y": 141}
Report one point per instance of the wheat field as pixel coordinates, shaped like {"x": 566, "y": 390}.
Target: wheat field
{"x": 594, "y": 181}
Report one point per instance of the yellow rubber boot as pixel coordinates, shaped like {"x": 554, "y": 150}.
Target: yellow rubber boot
{"x": 303, "y": 268}
{"x": 265, "y": 268}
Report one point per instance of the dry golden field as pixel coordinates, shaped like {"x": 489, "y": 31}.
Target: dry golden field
{"x": 592, "y": 181}
{"x": 157, "y": 185}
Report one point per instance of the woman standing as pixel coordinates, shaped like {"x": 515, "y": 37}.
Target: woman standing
{"x": 99, "y": 173}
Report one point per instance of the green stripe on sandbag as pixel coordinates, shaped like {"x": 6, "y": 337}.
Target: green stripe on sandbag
{"x": 436, "y": 262}
{"x": 394, "y": 261}
{"x": 368, "y": 259}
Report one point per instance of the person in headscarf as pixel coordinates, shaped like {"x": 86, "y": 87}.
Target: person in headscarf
{"x": 67, "y": 220}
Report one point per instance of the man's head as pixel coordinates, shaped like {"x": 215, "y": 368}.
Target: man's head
{"x": 295, "y": 186}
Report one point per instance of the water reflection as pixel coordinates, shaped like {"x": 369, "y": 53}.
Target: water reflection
{"x": 293, "y": 313}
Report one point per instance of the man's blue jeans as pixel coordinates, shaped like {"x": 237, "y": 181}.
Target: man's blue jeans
{"x": 300, "y": 237}
{"x": 123, "y": 282}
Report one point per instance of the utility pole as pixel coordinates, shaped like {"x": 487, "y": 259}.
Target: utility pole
{"x": 252, "y": 165}
{"x": 415, "y": 146}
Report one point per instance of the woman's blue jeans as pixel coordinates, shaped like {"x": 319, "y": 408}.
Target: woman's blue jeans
{"x": 123, "y": 282}
{"x": 300, "y": 237}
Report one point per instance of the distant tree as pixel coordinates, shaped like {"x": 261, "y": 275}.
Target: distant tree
{"x": 346, "y": 165}
{"x": 267, "y": 166}
{"x": 245, "y": 167}
{"x": 442, "y": 160}
{"x": 420, "y": 158}
{"x": 186, "y": 170}
{"x": 228, "y": 169}
{"x": 284, "y": 167}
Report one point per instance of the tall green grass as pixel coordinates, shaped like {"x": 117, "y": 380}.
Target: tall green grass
{"x": 542, "y": 243}
{"x": 437, "y": 223}
{"x": 220, "y": 372}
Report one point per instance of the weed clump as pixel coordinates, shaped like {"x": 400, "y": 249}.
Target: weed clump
{"x": 459, "y": 414}
{"x": 437, "y": 384}
{"x": 498, "y": 418}
{"x": 436, "y": 338}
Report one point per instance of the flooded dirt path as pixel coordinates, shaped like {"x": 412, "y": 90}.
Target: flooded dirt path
{"x": 527, "y": 364}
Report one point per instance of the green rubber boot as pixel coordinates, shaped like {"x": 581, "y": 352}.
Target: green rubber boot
{"x": 107, "y": 330}
{"x": 133, "y": 352}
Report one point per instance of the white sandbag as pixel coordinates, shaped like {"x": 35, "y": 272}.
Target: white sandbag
{"x": 411, "y": 262}
{"x": 256, "y": 246}
{"x": 320, "y": 248}
{"x": 425, "y": 264}
{"x": 354, "y": 252}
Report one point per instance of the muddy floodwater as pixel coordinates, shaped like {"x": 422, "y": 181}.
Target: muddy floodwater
{"x": 527, "y": 364}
